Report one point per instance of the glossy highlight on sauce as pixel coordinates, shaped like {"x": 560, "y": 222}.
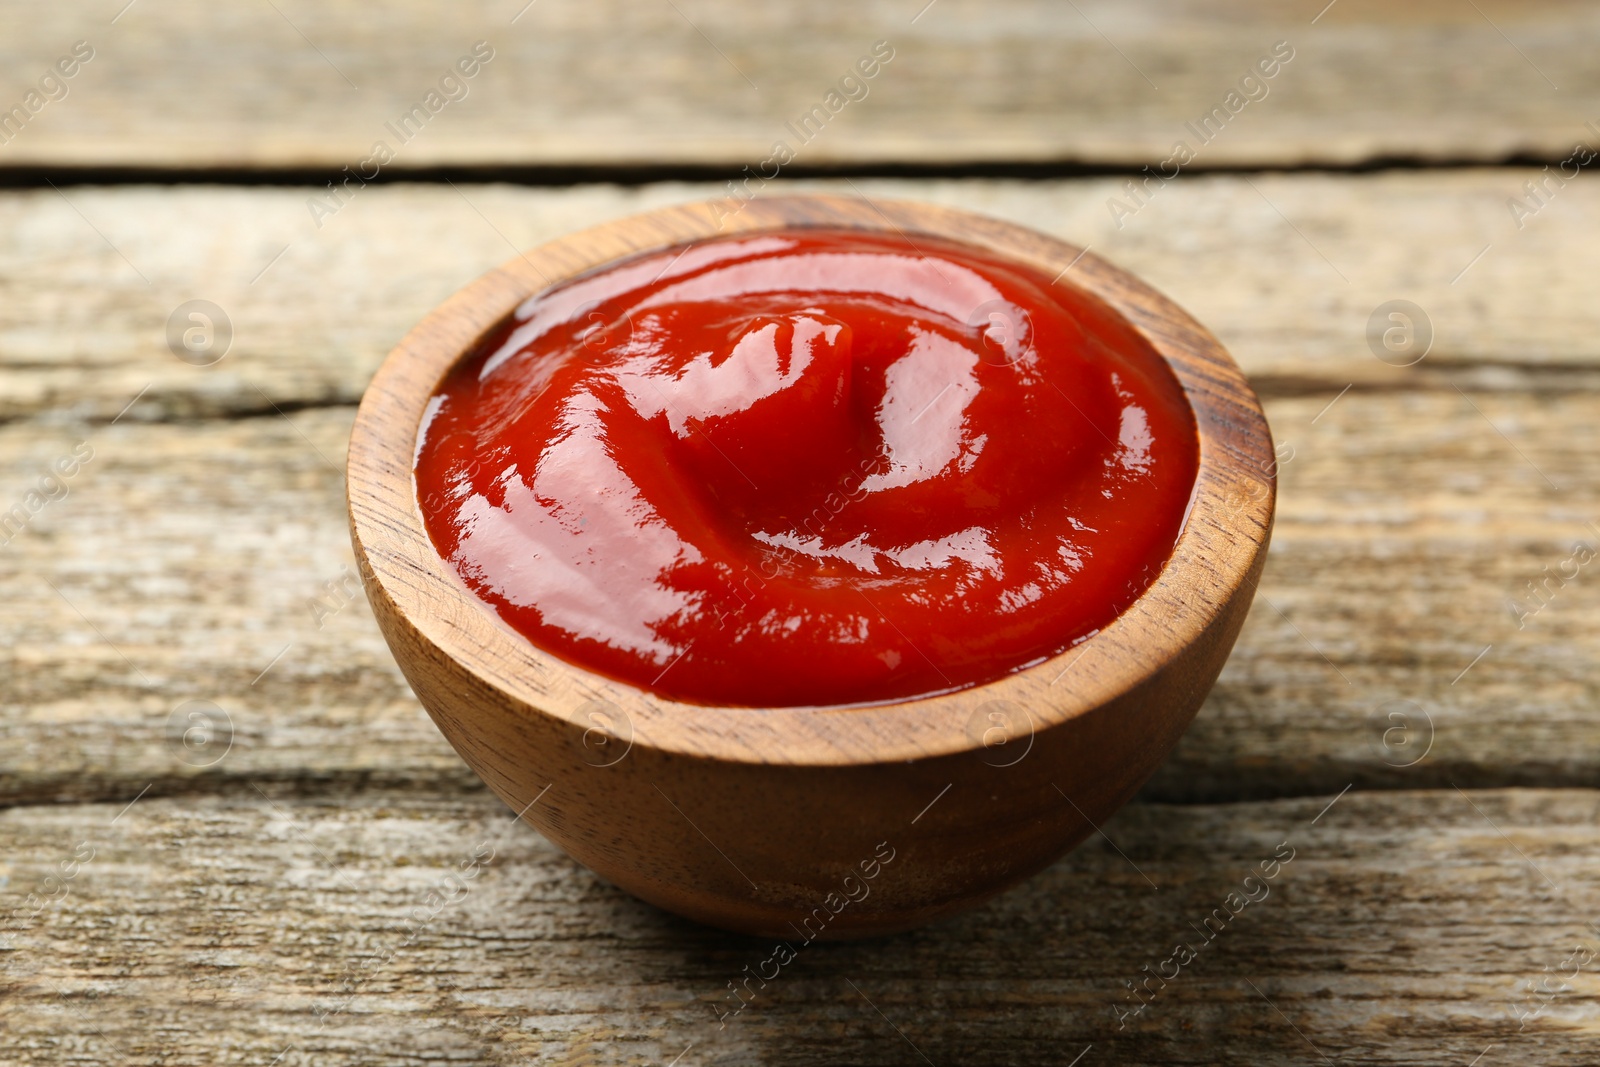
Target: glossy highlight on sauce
{"x": 808, "y": 467}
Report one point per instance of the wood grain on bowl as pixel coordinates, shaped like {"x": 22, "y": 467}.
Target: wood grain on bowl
{"x": 815, "y": 822}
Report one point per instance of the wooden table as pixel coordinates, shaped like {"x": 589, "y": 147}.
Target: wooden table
{"x": 224, "y": 815}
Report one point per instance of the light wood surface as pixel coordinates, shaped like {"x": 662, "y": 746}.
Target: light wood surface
{"x": 200, "y": 534}
{"x": 201, "y": 550}
{"x": 224, "y": 929}
{"x": 712, "y": 83}
{"x": 214, "y": 517}
{"x": 314, "y": 311}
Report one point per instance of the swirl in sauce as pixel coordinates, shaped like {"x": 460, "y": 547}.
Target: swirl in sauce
{"x": 808, "y": 468}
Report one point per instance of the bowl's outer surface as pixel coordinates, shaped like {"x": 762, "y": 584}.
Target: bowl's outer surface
{"x": 823, "y": 822}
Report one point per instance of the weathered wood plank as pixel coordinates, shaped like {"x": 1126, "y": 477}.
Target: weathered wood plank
{"x": 1407, "y": 522}
{"x": 202, "y": 562}
{"x": 1407, "y": 928}
{"x": 201, "y": 550}
{"x": 314, "y": 311}
{"x": 712, "y": 82}
{"x": 1409, "y": 529}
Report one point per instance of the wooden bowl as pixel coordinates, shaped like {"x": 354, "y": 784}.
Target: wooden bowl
{"x": 804, "y": 823}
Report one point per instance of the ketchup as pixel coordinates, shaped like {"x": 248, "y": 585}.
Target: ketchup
{"x": 809, "y": 467}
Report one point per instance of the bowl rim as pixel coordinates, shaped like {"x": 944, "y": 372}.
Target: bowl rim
{"x": 1221, "y": 539}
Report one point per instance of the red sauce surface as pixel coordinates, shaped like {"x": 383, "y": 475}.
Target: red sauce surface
{"x": 808, "y": 468}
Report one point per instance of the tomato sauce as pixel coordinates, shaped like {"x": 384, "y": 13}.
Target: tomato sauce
{"x": 808, "y": 468}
